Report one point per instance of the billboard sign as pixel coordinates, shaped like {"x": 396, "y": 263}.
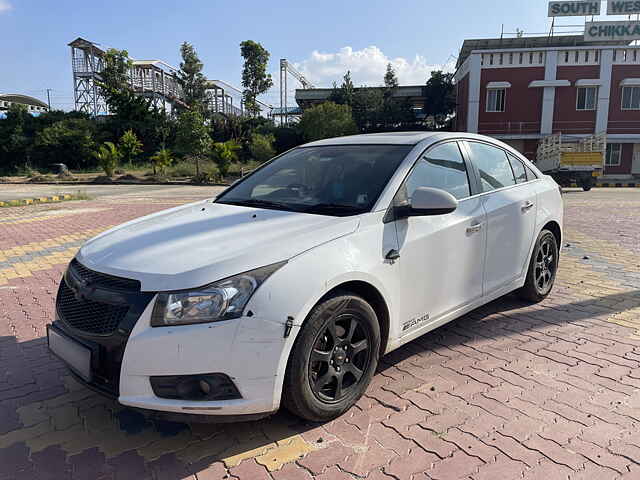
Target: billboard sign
{"x": 612, "y": 31}
{"x": 575, "y": 9}
{"x": 623, "y": 7}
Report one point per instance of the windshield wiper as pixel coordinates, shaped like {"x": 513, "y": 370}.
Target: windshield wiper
{"x": 254, "y": 202}
{"x": 333, "y": 207}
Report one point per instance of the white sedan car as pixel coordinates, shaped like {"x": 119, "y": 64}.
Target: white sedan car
{"x": 289, "y": 286}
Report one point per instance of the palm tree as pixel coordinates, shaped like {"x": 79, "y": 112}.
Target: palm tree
{"x": 108, "y": 156}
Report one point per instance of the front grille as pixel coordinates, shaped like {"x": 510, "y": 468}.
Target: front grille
{"x": 86, "y": 315}
{"x": 97, "y": 279}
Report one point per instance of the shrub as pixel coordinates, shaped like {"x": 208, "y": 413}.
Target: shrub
{"x": 161, "y": 161}
{"x": 130, "y": 147}
{"x": 327, "y": 120}
{"x": 224, "y": 154}
{"x": 261, "y": 147}
{"x": 108, "y": 156}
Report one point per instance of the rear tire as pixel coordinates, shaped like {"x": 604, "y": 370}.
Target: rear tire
{"x": 333, "y": 359}
{"x": 542, "y": 268}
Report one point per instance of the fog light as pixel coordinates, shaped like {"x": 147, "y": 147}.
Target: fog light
{"x": 204, "y": 387}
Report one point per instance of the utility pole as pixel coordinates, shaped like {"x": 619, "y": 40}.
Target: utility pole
{"x": 49, "y": 98}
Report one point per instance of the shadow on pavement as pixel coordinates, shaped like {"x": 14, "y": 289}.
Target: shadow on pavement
{"x": 42, "y": 409}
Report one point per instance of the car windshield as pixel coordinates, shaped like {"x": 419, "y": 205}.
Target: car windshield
{"x": 337, "y": 180}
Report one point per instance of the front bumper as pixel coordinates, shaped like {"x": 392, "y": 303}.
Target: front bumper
{"x": 249, "y": 350}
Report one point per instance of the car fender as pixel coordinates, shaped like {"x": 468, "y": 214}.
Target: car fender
{"x": 325, "y": 268}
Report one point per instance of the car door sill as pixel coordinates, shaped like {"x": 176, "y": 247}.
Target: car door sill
{"x": 447, "y": 317}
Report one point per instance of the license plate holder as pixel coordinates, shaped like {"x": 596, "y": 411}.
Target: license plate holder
{"x": 71, "y": 352}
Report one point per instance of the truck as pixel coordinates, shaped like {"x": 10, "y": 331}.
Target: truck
{"x": 572, "y": 160}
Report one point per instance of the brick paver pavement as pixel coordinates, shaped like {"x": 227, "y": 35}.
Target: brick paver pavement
{"x": 510, "y": 391}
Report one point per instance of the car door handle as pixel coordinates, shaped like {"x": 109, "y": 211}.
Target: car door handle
{"x": 527, "y": 206}
{"x": 474, "y": 228}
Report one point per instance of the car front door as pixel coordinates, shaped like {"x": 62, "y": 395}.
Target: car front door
{"x": 510, "y": 205}
{"x": 441, "y": 256}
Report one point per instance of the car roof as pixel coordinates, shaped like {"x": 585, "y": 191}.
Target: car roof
{"x": 396, "y": 138}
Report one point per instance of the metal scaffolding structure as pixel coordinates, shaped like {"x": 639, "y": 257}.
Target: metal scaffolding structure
{"x": 220, "y": 98}
{"x": 157, "y": 81}
{"x": 284, "y": 112}
{"x": 87, "y": 63}
{"x": 153, "y": 79}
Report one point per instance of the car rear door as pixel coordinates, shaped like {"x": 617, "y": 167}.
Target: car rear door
{"x": 441, "y": 256}
{"x": 510, "y": 204}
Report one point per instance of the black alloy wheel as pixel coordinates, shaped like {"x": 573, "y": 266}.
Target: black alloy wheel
{"x": 543, "y": 267}
{"x": 339, "y": 358}
{"x": 333, "y": 358}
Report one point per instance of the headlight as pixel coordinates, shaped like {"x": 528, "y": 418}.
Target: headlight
{"x": 221, "y": 300}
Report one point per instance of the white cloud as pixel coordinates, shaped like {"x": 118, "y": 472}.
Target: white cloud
{"x": 367, "y": 67}
{"x": 5, "y": 6}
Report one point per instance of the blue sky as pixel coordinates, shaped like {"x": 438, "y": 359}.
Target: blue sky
{"x": 324, "y": 39}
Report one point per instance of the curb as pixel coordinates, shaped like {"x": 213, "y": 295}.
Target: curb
{"x": 30, "y": 201}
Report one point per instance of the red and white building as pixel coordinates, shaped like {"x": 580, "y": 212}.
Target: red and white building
{"x": 522, "y": 89}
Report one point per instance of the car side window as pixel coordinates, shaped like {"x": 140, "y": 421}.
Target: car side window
{"x": 518, "y": 169}
{"x": 493, "y": 165}
{"x": 441, "y": 167}
{"x": 530, "y": 174}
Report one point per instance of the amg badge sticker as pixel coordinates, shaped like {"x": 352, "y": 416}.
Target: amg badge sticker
{"x": 414, "y": 322}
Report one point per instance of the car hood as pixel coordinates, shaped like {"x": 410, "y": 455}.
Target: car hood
{"x": 194, "y": 245}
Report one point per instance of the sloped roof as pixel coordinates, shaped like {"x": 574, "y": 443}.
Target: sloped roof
{"x": 23, "y": 99}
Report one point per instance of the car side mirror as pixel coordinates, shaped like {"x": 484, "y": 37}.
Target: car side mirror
{"x": 429, "y": 201}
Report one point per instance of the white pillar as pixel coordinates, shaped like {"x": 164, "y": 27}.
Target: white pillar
{"x": 604, "y": 92}
{"x": 549, "y": 93}
{"x": 474, "y": 93}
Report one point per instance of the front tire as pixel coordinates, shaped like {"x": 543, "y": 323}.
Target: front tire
{"x": 542, "y": 268}
{"x": 333, "y": 359}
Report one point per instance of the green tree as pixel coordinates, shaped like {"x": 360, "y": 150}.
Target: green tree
{"x": 192, "y": 137}
{"x": 440, "y": 98}
{"x": 224, "y": 154}
{"x": 68, "y": 141}
{"x": 327, "y": 120}
{"x": 15, "y": 145}
{"x": 344, "y": 94}
{"x": 129, "y": 110}
{"x": 390, "y": 78}
{"x": 194, "y": 83}
{"x": 108, "y": 157}
{"x": 261, "y": 147}
{"x": 255, "y": 78}
{"x": 161, "y": 160}
{"x": 368, "y": 104}
{"x": 130, "y": 147}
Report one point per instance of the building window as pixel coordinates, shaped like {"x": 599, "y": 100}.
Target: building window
{"x": 566, "y": 56}
{"x": 586, "y": 98}
{"x": 495, "y": 99}
{"x": 586, "y": 55}
{"x": 614, "y": 155}
{"x": 597, "y": 55}
{"x": 521, "y": 58}
{"x": 631, "y": 98}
